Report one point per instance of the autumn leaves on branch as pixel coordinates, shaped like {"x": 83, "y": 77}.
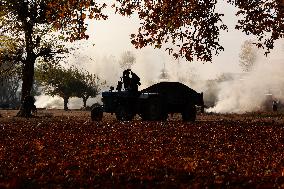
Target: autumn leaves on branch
{"x": 186, "y": 28}
{"x": 193, "y": 27}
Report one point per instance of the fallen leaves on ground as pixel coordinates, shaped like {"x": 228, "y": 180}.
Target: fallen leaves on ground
{"x": 228, "y": 151}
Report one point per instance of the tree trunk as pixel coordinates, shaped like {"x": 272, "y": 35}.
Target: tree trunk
{"x": 28, "y": 66}
{"x": 28, "y": 79}
{"x": 85, "y": 102}
{"x": 66, "y": 99}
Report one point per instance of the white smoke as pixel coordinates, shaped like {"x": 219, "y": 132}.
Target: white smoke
{"x": 251, "y": 91}
{"x": 56, "y": 102}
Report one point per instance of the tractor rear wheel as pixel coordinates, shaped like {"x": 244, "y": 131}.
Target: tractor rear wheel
{"x": 189, "y": 113}
{"x": 123, "y": 113}
{"x": 153, "y": 110}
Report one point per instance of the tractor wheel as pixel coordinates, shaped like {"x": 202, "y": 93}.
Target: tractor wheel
{"x": 153, "y": 110}
{"x": 123, "y": 113}
{"x": 189, "y": 113}
{"x": 97, "y": 113}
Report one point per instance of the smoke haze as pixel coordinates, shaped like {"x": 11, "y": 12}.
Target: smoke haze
{"x": 242, "y": 92}
{"x": 252, "y": 91}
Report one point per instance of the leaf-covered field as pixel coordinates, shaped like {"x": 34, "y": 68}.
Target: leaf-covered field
{"x": 67, "y": 150}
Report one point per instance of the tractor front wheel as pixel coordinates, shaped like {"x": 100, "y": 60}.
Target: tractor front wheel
{"x": 97, "y": 113}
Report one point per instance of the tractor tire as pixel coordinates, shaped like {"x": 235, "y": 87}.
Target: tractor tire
{"x": 97, "y": 113}
{"x": 123, "y": 113}
{"x": 189, "y": 113}
{"x": 153, "y": 110}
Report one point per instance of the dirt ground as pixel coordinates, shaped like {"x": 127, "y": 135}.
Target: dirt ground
{"x": 65, "y": 149}
{"x": 261, "y": 116}
{"x": 49, "y": 113}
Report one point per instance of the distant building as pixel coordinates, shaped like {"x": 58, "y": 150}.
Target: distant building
{"x": 164, "y": 76}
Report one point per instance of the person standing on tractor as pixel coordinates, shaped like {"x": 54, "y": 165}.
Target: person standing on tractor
{"x": 126, "y": 79}
{"x": 134, "y": 82}
{"x": 130, "y": 83}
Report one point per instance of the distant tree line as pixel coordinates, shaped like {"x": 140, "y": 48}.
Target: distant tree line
{"x": 10, "y": 91}
{"x": 50, "y": 79}
{"x": 10, "y": 72}
{"x": 67, "y": 82}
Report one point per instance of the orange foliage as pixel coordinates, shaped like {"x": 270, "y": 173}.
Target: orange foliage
{"x": 70, "y": 15}
{"x": 193, "y": 26}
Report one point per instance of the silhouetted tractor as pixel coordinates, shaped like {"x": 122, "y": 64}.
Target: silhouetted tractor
{"x": 153, "y": 103}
